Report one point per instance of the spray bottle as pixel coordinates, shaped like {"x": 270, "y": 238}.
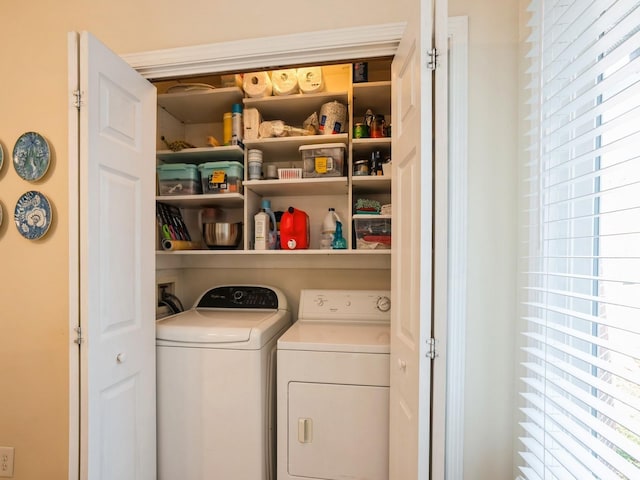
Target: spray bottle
{"x": 339, "y": 242}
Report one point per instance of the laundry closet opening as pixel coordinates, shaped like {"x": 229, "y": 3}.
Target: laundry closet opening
{"x": 306, "y": 143}
{"x": 216, "y": 181}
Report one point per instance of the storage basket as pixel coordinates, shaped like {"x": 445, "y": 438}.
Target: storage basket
{"x": 289, "y": 173}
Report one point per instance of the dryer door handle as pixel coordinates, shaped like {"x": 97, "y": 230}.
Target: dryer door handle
{"x": 305, "y": 430}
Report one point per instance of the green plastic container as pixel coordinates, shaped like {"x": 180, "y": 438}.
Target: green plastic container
{"x": 178, "y": 179}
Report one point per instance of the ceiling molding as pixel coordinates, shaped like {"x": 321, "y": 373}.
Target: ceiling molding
{"x": 270, "y": 52}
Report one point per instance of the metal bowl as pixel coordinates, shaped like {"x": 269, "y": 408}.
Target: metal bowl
{"x": 222, "y": 234}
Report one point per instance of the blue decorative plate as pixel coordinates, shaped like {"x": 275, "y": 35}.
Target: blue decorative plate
{"x": 1, "y": 160}
{"x": 31, "y": 156}
{"x": 32, "y": 215}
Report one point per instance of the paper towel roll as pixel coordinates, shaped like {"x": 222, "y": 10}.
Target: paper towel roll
{"x": 310, "y": 80}
{"x": 252, "y": 119}
{"x": 257, "y": 84}
{"x": 285, "y": 82}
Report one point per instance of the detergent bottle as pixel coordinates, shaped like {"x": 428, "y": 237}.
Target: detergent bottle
{"x": 294, "y": 229}
{"x": 265, "y": 233}
{"x": 328, "y": 229}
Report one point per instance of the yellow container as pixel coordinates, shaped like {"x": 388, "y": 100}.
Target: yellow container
{"x": 227, "y": 126}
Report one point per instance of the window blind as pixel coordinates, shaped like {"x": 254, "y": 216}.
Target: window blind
{"x": 579, "y": 394}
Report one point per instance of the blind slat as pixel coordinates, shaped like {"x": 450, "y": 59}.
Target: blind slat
{"x": 587, "y": 378}
{"x": 585, "y": 435}
{"x": 628, "y": 349}
{"x": 558, "y": 387}
{"x": 618, "y": 370}
{"x": 569, "y": 454}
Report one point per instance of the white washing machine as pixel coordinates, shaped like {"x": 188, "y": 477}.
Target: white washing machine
{"x": 333, "y": 387}
{"x": 216, "y": 385}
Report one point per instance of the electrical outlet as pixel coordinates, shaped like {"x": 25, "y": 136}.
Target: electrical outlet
{"x": 6, "y": 461}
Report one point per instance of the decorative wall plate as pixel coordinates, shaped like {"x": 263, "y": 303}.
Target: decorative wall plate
{"x": 32, "y": 215}
{"x": 0, "y": 214}
{"x": 31, "y": 156}
{"x": 1, "y": 156}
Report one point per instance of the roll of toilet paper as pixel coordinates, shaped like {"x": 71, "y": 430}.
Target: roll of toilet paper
{"x": 257, "y": 84}
{"x": 310, "y": 79}
{"x": 285, "y": 82}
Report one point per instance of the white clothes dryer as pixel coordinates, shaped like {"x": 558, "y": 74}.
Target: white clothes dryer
{"x": 216, "y": 385}
{"x": 333, "y": 387}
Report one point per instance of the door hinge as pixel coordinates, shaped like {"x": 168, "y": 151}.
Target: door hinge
{"x": 432, "y": 64}
{"x": 77, "y": 99}
{"x": 431, "y": 348}
{"x": 79, "y": 339}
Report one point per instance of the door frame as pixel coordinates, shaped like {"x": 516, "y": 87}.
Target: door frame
{"x": 335, "y": 45}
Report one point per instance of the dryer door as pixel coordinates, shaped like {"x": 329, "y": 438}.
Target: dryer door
{"x": 338, "y": 431}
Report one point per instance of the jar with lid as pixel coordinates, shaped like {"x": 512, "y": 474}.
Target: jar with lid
{"x": 361, "y": 167}
{"x": 378, "y": 127}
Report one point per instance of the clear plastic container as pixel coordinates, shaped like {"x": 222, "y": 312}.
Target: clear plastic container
{"x": 178, "y": 179}
{"x": 221, "y": 177}
{"x": 323, "y": 160}
{"x": 373, "y": 232}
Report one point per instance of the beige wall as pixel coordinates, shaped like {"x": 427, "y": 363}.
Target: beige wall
{"x": 34, "y": 339}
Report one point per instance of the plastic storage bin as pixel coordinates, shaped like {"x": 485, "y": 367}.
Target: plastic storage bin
{"x": 372, "y": 232}
{"x": 221, "y": 177}
{"x": 178, "y": 179}
{"x": 323, "y": 160}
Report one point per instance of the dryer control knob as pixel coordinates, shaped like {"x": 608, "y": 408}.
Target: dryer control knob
{"x": 383, "y": 304}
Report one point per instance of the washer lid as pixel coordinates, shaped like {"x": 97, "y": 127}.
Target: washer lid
{"x": 323, "y": 336}
{"x": 219, "y": 326}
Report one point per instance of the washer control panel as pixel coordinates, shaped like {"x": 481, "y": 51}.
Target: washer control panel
{"x": 366, "y": 305}
{"x": 243, "y": 296}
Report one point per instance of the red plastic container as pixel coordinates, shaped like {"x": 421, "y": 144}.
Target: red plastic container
{"x": 294, "y": 230}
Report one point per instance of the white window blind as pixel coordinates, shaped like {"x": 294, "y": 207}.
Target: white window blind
{"x": 580, "y": 389}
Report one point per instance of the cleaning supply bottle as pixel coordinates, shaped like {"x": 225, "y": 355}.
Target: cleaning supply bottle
{"x": 265, "y": 233}
{"x": 339, "y": 242}
{"x": 328, "y": 229}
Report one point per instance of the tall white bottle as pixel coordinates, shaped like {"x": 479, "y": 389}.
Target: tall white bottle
{"x": 265, "y": 228}
{"x": 328, "y": 229}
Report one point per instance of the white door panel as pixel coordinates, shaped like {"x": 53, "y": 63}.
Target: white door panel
{"x": 411, "y": 256}
{"x": 336, "y": 431}
{"x": 116, "y": 192}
